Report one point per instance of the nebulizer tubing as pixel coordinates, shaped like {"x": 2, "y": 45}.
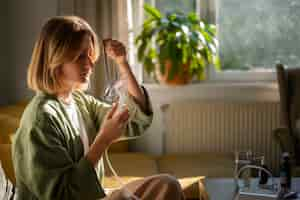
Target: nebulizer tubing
{"x": 117, "y": 178}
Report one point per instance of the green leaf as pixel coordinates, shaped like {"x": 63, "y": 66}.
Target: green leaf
{"x": 163, "y": 52}
{"x": 148, "y": 65}
{"x": 217, "y": 63}
{"x": 201, "y": 75}
{"x": 207, "y": 36}
{"x": 175, "y": 59}
{"x": 212, "y": 48}
{"x": 176, "y": 24}
{"x": 152, "y": 11}
{"x": 152, "y": 53}
{"x": 184, "y": 54}
{"x": 201, "y": 38}
{"x": 172, "y": 16}
{"x": 204, "y": 53}
{"x": 148, "y": 21}
{"x": 141, "y": 50}
{"x": 202, "y": 62}
{"x": 185, "y": 29}
{"x": 193, "y": 17}
{"x": 211, "y": 29}
{"x": 202, "y": 25}
{"x": 162, "y": 67}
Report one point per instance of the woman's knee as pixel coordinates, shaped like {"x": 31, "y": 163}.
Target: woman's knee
{"x": 170, "y": 181}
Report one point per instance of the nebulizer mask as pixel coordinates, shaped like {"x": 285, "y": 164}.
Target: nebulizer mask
{"x": 116, "y": 90}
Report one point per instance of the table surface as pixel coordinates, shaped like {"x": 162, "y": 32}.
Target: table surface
{"x": 225, "y": 188}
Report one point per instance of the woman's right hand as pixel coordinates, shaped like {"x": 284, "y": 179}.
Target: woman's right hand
{"x": 114, "y": 124}
{"x": 112, "y": 128}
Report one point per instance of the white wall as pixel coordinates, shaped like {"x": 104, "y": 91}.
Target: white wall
{"x": 152, "y": 141}
{"x": 21, "y": 22}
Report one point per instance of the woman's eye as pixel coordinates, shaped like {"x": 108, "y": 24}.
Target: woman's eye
{"x": 81, "y": 56}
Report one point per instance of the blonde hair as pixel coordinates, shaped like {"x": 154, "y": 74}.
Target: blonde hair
{"x": 59, "y": 42}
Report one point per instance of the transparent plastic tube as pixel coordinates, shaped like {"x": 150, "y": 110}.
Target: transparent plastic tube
{"x": 120, "y": 89}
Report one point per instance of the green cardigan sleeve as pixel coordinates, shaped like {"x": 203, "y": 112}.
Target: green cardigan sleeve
{"x": 49, "y": 169}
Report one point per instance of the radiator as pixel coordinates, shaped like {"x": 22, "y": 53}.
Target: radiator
{"x": 200, "y": 126}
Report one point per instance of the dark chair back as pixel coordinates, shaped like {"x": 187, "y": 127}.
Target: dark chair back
{"x": 289, "y": 90}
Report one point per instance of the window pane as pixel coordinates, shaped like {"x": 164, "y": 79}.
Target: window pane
{"x": 256, "y": 34}
{"x": 171, "y": 5}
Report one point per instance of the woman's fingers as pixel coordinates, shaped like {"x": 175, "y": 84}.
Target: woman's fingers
{"x": 112, "y": 111}
{"x": 106, "y": 42}
{"x": 123, "y": 119}
{"x": 123, "y": 116}
{"x": 114, "y": 48}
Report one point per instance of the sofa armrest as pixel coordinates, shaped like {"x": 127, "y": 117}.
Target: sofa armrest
{"x": 6, "y": 162}
{"x": 285, "y": 140}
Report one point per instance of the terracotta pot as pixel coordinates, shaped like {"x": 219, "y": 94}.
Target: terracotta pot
{"x": 179, "y": 79}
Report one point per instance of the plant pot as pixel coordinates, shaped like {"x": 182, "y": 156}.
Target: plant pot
{"x": 178, "y": 79}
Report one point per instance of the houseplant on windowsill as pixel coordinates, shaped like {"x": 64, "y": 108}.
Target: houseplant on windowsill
{"x": 176, "y": 47}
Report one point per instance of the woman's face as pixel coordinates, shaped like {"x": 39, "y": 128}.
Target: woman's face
{"x": 77, "y": 73}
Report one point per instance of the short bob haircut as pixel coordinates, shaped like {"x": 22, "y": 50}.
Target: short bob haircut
{"x": 59, "y": 42}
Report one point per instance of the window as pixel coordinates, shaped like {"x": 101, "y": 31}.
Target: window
{"x": 167, "y": 5}
{"x": 253, "y": 35}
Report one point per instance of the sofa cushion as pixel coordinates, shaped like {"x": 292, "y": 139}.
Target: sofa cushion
{"x": 190, "y": 169}
{"x": 13, "y": 110}
{"x": 6, "y": 161}
{"x": 206, "y": 164}
{"x": 119, "y": 147}
{"x": 129, "y": 166}
{"x": 8, "y": 126}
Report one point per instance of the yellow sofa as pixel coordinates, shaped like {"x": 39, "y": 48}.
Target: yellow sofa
{"x": 190, "y": 169}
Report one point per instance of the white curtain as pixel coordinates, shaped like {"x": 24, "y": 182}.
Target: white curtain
{"x": 108, "y": 18}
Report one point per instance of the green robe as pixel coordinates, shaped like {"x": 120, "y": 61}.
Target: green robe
{"x": 48, "y": 153}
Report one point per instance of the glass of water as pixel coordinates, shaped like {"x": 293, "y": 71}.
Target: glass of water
{"x": 242, "y": 159}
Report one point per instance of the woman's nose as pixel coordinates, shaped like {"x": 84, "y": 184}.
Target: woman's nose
{"x": 88, "y": 63}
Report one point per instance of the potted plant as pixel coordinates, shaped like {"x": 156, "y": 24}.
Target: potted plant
{"x": 176, "y": 47}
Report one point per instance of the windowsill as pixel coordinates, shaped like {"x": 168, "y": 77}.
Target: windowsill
{"x": 220, "y": 91}
{"x": 215, "y": 84}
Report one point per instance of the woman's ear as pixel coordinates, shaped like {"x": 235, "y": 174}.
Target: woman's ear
{"x": 57, "y": 76}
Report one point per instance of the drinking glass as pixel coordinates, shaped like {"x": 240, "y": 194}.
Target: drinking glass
{"x": 243, "y": 158}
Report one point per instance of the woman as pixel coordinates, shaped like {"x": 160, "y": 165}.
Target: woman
{"x": 58, "y": 148}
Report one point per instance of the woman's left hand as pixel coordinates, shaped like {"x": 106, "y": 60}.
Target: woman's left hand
{"x": 115, "y": 50}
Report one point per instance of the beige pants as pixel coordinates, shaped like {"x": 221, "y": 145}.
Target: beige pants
{"x": 158, "y": 187}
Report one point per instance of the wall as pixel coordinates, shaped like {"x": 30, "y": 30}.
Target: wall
{"x": 21, "y": 22}
{"x": 4, "y": 50}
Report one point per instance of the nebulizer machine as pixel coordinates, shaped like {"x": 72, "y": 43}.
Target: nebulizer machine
{"x": 117, "y": 89}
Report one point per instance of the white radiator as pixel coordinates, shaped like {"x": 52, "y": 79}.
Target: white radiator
{"x": 199, "y": 126}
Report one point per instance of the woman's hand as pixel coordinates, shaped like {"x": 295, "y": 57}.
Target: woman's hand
{"x": 113, "y": 125}
{"x": 112, "y": 128}
{"x": 115, "y": 50}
